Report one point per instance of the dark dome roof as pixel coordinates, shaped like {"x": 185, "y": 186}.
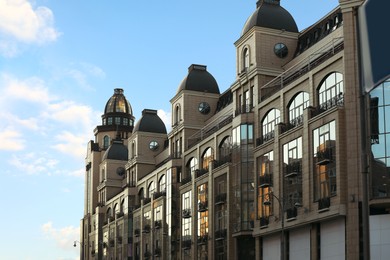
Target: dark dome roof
{"x": 199, "y": 79}
{"x": 116, "y": 151}
{"x": 118, "y": 103}
{"x": 150, "y": 122}
{"x": 270, "y": 14}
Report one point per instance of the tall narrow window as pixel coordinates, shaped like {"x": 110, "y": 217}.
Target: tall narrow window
{"x": 106, "y": 141}
{"x": 162, "y": 183}
{"x": 324, "y": 148}
{"x": 225, "y": 149}
{"x": 296, "y": 107}
{"x": 265, "y": 165}
{"x": 245, "y": 59}
{"x": 271, "y": 119}
{"x": 380, "y": 140}
{"x": 151, "y": 189}
{"x": 292, "y": 188}
{"x": 177, "y": 115}
{"x": 207, "y": 158}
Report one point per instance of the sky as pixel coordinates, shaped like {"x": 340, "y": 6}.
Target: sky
{"x": 59, "y": 64}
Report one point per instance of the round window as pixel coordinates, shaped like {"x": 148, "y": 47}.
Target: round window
{"x": 153, "y": 145}
{"x": 280, "y": 50}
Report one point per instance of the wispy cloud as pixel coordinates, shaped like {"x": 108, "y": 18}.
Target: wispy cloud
{"x": 11, "y": 140}
{"x": 82, "y": 71}
{"x": 33, "y": 163}
{"x": 64, "y": 237}
{"x": 71, "y": 144}
{"x": 20, "y": 22}
{"x": 66, "y": 124}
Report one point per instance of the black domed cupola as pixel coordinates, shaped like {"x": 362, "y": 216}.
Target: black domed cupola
{"x": 118, "y": 111}
{"x": 270, "y": 14}
{"x": 199, "y": 79}
{"x": 150, "y": 122}
{"x": 116, "y": 151}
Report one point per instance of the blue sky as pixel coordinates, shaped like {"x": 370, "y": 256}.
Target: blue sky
{"x": 59, "y": 64}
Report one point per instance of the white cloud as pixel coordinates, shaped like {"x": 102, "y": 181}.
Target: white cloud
{"x": 64, "y": 237}
{"x": 165, "y": 117}
{"x": 80, "y": 72}
{"x": 71, "y": 144}
{"x": 69, "y": 122}
{"x": 31, "y": 89}
{"x": 11, "y": 140}
{"x": 77, "y": 173}
{"x": 19, "y": 20}
{"x": 32, "y": 163}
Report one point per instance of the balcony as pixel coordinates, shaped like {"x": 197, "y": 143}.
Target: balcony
{"x": 157, "y": 224}
{"x": 201, "y": 172}
{"x": 186, "y": 213}
{"x": 147, "y": 254}
{"x": 244, "y": 109}
{"x": 186, "y": 244}
{"x": 186, "y": 180}
{"x": 146, "y": 229}
{"x": 293, "y": 169}
{"x": 291, "y": 213}
{"x": 220, "y": 198}
{"x": 264, "y": 221}
{"x": 202, "y": 240}
{"x": 336, "y": 101}
{"x": 119, "y": 214}
{"x": 157, "y": 195}
{"x": 220, "y": 234}
{"x": 323, "y": 204}
{"x": 222, "y": 161}
{"x": 137, "y": 232}
{"x": 324, "y": 156}
{"x": 157, "y": 252}
{"x": 265, "y": 180}
{"x": 265, "y": 138}
{"x": 202, "y": 206}
{"x": 147, "y": 200}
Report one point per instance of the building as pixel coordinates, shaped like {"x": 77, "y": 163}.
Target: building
{"x": 271, "y": 168}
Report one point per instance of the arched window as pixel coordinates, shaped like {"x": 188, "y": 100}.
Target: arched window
{"x": 141, "y": 195}
{"x": 108, "y": 214}
{"x": 331, "y": 91}
{"x": 192, "y": 165}
{"x": 151, "y": 189}
{"x": 116, "y": 210}
{"x": 245, "y": 59}
{"x": 106, "y": 141}
{"x": 133, "y": 149}
{"x": 177, "y": 115}
{"x": 207, "y": 158}
{"x": 102, "y": 175}
{"x": 225, "y": 148}
{"x": 162, "y": 183}
{"x": 271, "y": 119}
{"x": 296, "y": 107}
{"x": 122, "y": 209}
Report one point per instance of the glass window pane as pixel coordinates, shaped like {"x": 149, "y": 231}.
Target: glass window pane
{"x": 381, "y": 120}
{"x": 386, "y": 118}
{"x": 378, "y": 92}
{"x": 378, "y": 150}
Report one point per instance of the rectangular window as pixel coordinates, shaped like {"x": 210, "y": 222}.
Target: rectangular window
{"x": 292, "y": 161}
{"x": 324, "y": 153}
{"x": 265, "y": 165}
